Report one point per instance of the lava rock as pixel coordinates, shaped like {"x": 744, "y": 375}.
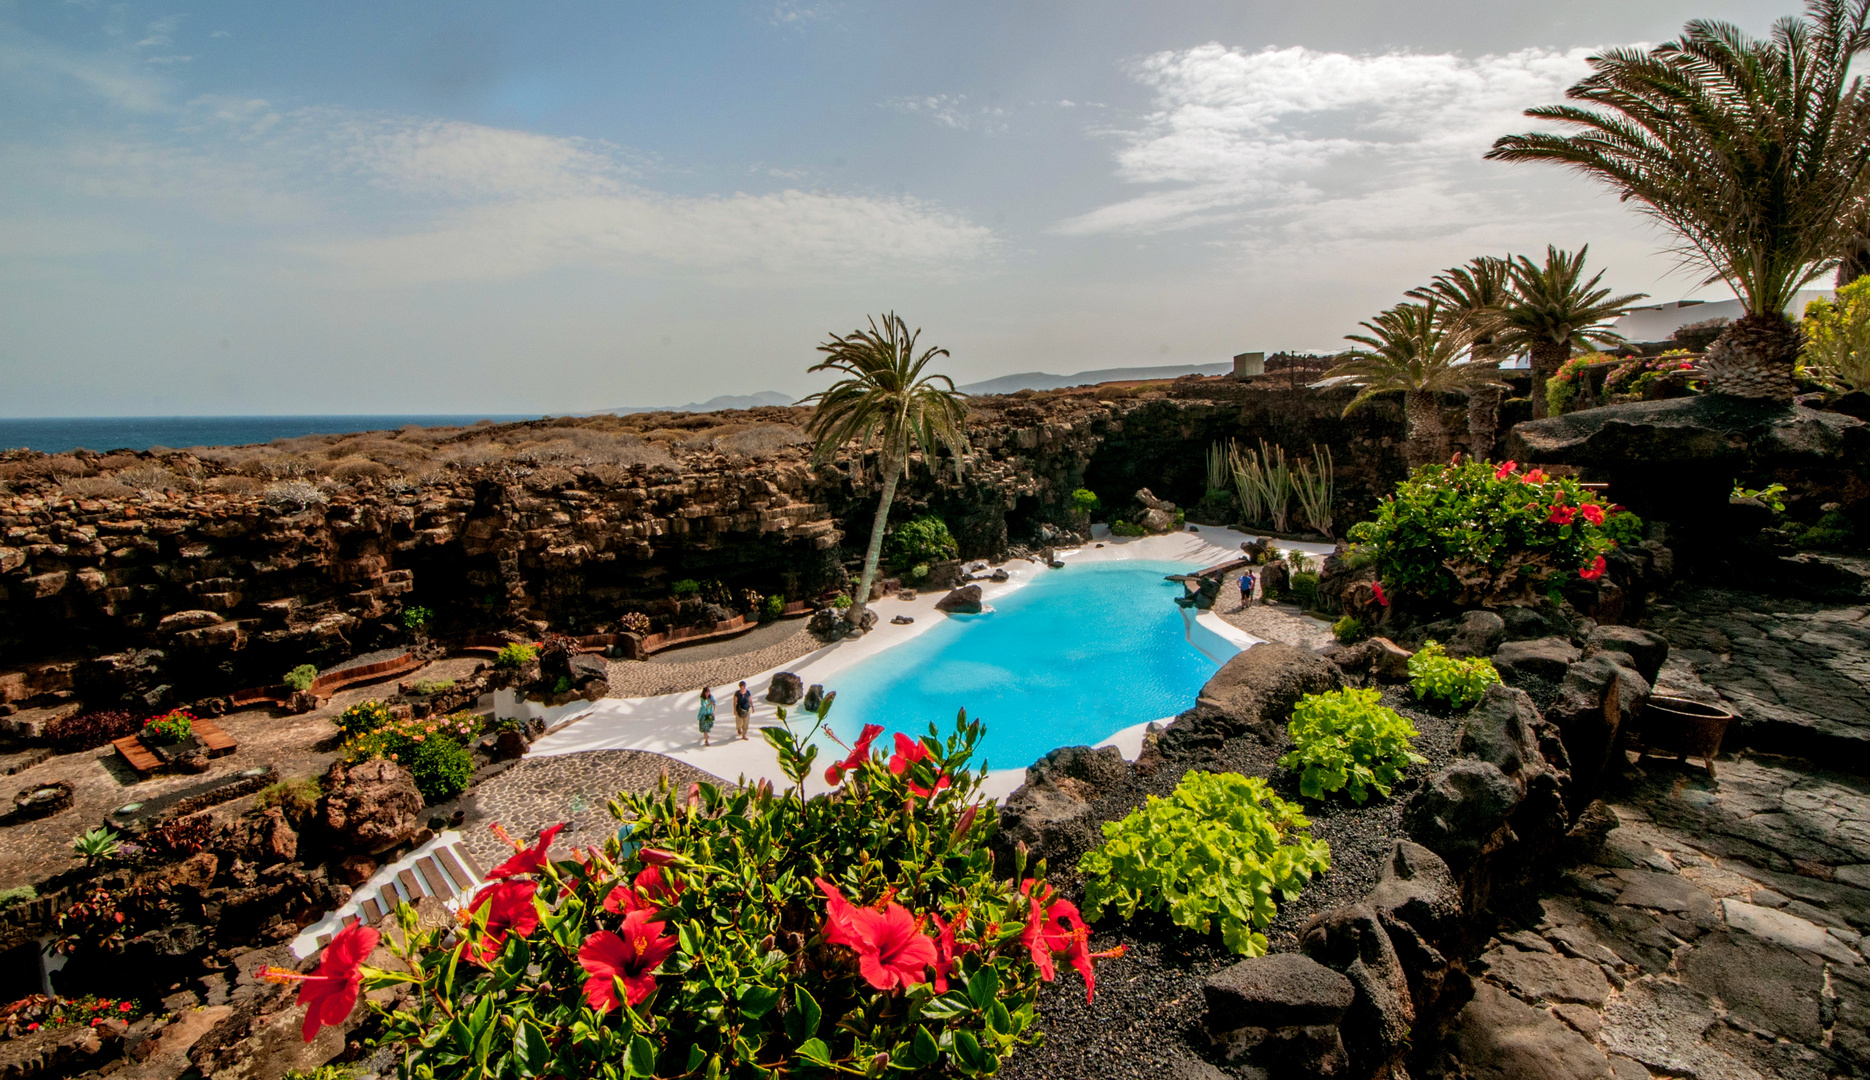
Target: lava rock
{"x": 1478, "y": 634}
{"x": 786, "y": 689}
{"x": 1461, "y": 812}
{"x": 962, "y": 601}
{"x": 1648, "y": 651}
{"x": 814, "y": 697}
{"x": 1255, "y": 689}
{"x": 1278, "y": 990}
{"x": 1502, "y": 729}
{"x": 1525, "y": 623}
{"x": 370, "y": 807}
{"x": 1598, "y": 699}
{"x": 1498, "y": 1037}
{"x": 1543, "y": 658}
{"x": 1378, "y": 656}
{"x": 902, "y": 620}
{"x": 264, "y": 838}
{"x": 1055, "y": 823}
{"x": 1351, "y": 939}
{"x": 1100, "y": 771}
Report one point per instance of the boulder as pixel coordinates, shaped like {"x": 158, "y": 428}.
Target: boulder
{"x": 370, "y": 807}
{"x": 1351, "y": 940}
{"x": 187, "y": 620}
{"x": 1150, "y": 502}
{"x": 1378, "y": 656}
{"x": 814, "y": 697}
{"x": 1543, "y": 658}
{"x": 1054, "y": 822}
{"x": 1502, "y": 729}
{"x": 945, "y": 574}
{"x": 962, "y": 601}
{"x": 263, "y": 838}
{"x": 1279, "y": 1015}
{"x": 1461, "y": 812}
{"x": 1498, "y": 1037}
{"x": 583, "y": 667}
{"x": 1257, "y": 688}
{"x": 1648, "y": 651}
{"x": 1415, "y": 887}
{"x": 1276, "y": 578}
{"x": 1599, "y": 697}
{"x": 1095, "y": 772}
{"x": 1478, "y": 633}
{"x": 1523, "y": 623}
{"x": 786, "y": 689}
{"x": 1157, "y": 521}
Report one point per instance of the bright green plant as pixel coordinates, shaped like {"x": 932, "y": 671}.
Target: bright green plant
{"x": 745, "y": 933}
{"x": 1350, "y": 630}
{"x": 1216, "y": 851}
{"x": 302, "y": 677}
{"x": 1562, "y": 388}
{"x": 919, "y": 572}
{"x": 685, "y": 588}
{"x": 413, "y": 744}
{"x": 323, "y": 1072}
{"x": 563, "y": 684}
{"x": 441, "y": 768}
{"x": 1837, "y": 336}
{"x": 96, "y": 846}
{"x": 363, "y": 717}
{"x": 841, "y": 601}
{"x": 1477, "y": 534}
{"x": 431, "y": 687}
{"x": 18, "y": 894}
{"x": 1084, "y": 501}
{"x": 296, "y": 797}
{"x": 515, "y": 654}
{"x": 1457, "y": 682}
{"x": 921, "y": 540}
{"x": 1347, "y": 741}
{"x": 175, "y": 726}
{"x": 417, "y": 618}
{"x": 1305, "y": 589}
{"x": 1125, "y": 528}
{"x": 1773, "y": 495}
{"x": 773, "y": 607}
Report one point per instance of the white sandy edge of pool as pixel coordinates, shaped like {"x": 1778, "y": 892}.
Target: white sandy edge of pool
{"x": 665, "y": 724}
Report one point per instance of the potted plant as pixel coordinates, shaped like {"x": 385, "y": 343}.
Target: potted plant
{"x": 171, "y": 736}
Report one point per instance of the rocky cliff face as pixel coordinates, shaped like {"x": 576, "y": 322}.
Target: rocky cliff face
{"x": 217, "y": 581}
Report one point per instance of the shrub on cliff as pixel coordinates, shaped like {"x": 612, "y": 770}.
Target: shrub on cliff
{"x": 440, "y": 767}
{"x": 744, "y": 933}
{"x": 302, "y": 677}
{"x": 362, "y": 718}
{"x": 432, "y": 750}
{"x": 921, "y": 540}
{"x": 1477, "y": 534}
{"x": 514, "y": 654}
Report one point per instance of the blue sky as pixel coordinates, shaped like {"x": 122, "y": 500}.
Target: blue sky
{"x": 392, "y": 207}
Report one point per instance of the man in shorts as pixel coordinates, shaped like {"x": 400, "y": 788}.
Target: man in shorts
{"x": 743, "y": 709}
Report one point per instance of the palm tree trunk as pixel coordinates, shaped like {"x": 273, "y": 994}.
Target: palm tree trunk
{"x": 1483, "y": 420}
{"x": 1855, "y": 262}
{"x": 1547, "y": 358}
{"x": 1753, "y": 358}
{"x": 862, "y": 599}
{"x": 1425, "y": 439}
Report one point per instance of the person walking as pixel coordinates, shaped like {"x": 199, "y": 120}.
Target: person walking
{"x": 1246, "y": 589}
{"x": 705, "y": 718}
{"x": 743, "y": 709}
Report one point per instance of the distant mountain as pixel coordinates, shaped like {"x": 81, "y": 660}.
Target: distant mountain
{"x": 1040, "y": 380}
{"x": 714, "y": 404}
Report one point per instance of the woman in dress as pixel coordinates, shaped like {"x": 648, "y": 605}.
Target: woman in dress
{"x": 705, "y": 718}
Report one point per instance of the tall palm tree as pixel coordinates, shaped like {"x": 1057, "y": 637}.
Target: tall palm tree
{"x": 1474, "y": 294}
{"x": 1552, "y": 313}
{"x": 885, "y": 402}
{"x": 1754, "y": 153}
{"x": 1417, "y": 349}
{"x": 1854, "y": 256}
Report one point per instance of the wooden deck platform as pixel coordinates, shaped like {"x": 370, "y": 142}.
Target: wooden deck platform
{"x": 216, "y": 741}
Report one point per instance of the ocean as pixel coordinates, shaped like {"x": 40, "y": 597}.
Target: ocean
{"x": 59, "y": 434}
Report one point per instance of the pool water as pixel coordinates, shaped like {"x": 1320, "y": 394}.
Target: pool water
{"x": 1070, "y": 659}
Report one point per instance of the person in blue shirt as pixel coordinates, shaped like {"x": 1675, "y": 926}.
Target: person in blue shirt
{"x": 743, "y": 710}
{"x": 705, "y": 717}
{"x": 1246, "y": 589}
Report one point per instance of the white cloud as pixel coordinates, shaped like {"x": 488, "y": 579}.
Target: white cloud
{"x": 221, "y": 34}
{"x": 1296, "y": 137}
{"x": 171, "y": 60}
{"x": 161, "y": 32}
{"x": 50, "y": 72}
{"x": 953, "y": 111}
{"x": 796, "y": 14}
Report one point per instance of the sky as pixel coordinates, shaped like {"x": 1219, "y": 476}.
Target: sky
{"x": 349, "y": 207}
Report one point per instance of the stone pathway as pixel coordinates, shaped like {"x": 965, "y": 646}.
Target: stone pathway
{"x": 576, "y": 788}
{"x": 1715, "y": 933}
{"x": 649, "y": 678}
{"x": 1271, "y": 622}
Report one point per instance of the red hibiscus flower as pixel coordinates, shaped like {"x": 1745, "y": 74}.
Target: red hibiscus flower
{"x": 509, "y": 910}
{"x": 1561, "y": 515}
{"x": 909, "y": 752}
{"x": 947, "y": 951}
{"x": 624, "y": 899}
{"x": 839, "y": 929}
{"x": 1377, "y": 587}
{"x": 891, "y": 948}
{"x": 1506, "y": 470}
{"x": 1593, "y": 571}
{"x": 1049, "y": 923}
{"x": 1593, "y": 513}
{"x": 528, "y": 860}
{"x": 629, "y": 958}
{"x": 650, "y": 890}
{"x": 859, "y": 753}
{"x": 330, "y": 993}
{"x": 1536, "y": 476}
{"x": 1080, "y": 954}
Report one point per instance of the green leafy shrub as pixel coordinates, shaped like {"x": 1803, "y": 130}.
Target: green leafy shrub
{"x": 302, "y": 677}
{"x": 685, "y": 588}
{"x": 1837, "y": 336}
{"x": 727, "y": 944}
{"x": 1561, "y": 388}
{"x": 323, "y": 1072}
{"x": 441, "y": 768}
{"x": 1216, "y": 851}
{"x": 96, "y": 846}
{"x": 1127, "y": 528}
{"x": 919, "y": 572}
{"x": 363, "y": 717}
{"x": 925, "y": 539}
{"x": 1347, "y": 741}
{"x": 417, "y": 618}
{"x": 431, "y": 687}
{"x": 296, "y": 798}
{"x": 773, "y": 608}
{"x": 1455, "y": 681}
{"x": 515, "y": 654}
{"x": 841, "y": 601}
{"x": 1832, "y": 531}
{"x": 1084, "y": 501}
{"x": 1480, "y": 535}
{"x": 1305, "y": 589}
{"x": 1350, "y": 630}
{"x": 18, "y": 894}
{"x": 174, "y": 726}
{"x": 1773, "y": 495}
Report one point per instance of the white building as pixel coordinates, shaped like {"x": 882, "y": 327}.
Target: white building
{"x": 1657, "y": 322}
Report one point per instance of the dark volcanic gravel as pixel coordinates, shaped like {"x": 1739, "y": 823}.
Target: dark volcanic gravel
{"x": 1147, "y": 1014}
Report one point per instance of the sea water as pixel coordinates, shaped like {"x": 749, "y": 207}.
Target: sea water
{"x": 57, "y": 435}
{"x": 1072, "y": 658}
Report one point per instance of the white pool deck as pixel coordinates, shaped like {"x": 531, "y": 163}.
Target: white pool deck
{"x": 665, "y": 724}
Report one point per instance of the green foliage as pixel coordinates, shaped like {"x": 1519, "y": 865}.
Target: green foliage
{"x": 440, "y": 767}
{"x": 363, "y": 717}
{"x": 773, "y": 607}
{"x": 431, "y": 687}
{"x": 685, "y": 588}
{"x": 919, "y": 572}
{"x": 18, "y": 894}
{"x": 1347, "y": 741}
{"x": 750, "y": 987}
{"x": 1773, "y": 495}
{"x": 1832, "y": 531}
{"x": 417, "y": 618}
{"x": 296, "y": 798}
{"x": 172, "y": 727}
{"x": 1305, "y": 589}
{"x": 1474, "y": 534}
{"x": 1126, "y": 528}
{"x": 96, "y": 846}
{"x": 1350, "y": 630}
{"x": 515, "y": 654}
{"x": 417, "y": 746}
{"x": 323, "y": 1072}
{"x": 1457, "y": 682}
{"x": 921, "y": 540}
{"x": 841, "y": 601}
{"x": 302, "y": 677}
{"x": 1084, "y": 501}
{"x": 1837, "y": 336}
{"x": 1217, "y": 850}
{"x": 562, "y": 685}
{"x": 1561, "y": 388}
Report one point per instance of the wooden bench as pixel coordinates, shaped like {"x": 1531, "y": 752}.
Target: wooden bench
{"x": 139, "y": 756}
{"x": 218, "y": 742}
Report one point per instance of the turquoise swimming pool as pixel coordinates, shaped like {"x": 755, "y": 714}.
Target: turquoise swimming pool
{"x": 1072, "y": 658}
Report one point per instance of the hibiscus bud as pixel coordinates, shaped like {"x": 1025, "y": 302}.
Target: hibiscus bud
{"x": 966, "y": 823}
{"x": 879, "y": 1063}
{"x": 1019, "y": 859}
{"x": 659, "y": 857}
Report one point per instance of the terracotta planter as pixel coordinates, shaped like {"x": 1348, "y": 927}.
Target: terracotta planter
{"x": 1685, "y": 728}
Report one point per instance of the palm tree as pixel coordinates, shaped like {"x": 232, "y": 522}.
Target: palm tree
{"x": 1854, "y": 256}
{"x": 1754, "y": 153}
{"x": 888, "y": 404}
{"x": 1474, "y": 293}
{"x": 1419, "y": 350}
{"x": 1551, "y": 315}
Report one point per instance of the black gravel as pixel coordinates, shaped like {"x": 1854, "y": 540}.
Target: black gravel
{"x": 1145, "y": 1021}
